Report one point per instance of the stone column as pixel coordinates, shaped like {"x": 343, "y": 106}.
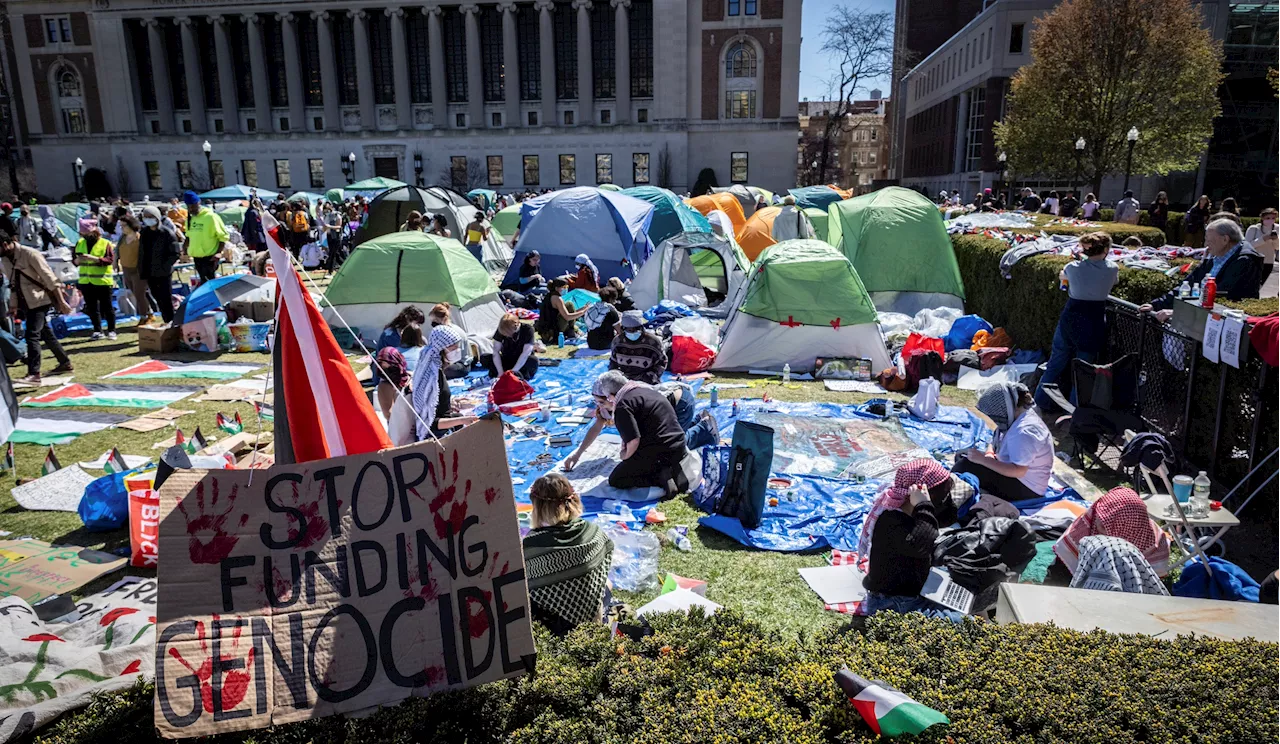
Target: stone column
{"x": 439, "y": 89}
{"x": 258, "y": 67}
{"x": 511, "y": 63}
{"x": 364, "y": 71}
{"x": 160, "y": 75}
{"x": 586, "y": 104}
{"x": 622, "y": 61}
{"x": 400, "y": 58}
{"x": 328, "y": 72}
{"x": 195, "y": 83}
{"x": 226, "y": 76}
{"x": 547, "y": 61}
{"x": 475, "y": 80}
{"x": 293, "y": 70}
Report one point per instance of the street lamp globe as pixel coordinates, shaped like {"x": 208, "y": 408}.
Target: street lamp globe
{"x": 79, "y": 163}
{"x": 1132, "y": 136}
{"x": 351, "y": 157}
{"x": 1002, "y": 157}
{"x": 1080, "y": 143}
{"x": 208, "y": 148}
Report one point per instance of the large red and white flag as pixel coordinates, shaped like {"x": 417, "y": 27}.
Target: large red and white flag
{"x": 328, "y": 413}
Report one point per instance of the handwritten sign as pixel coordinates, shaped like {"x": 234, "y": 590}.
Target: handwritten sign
{"x": 35, "y": 570}
{"x": 338, "y": 585}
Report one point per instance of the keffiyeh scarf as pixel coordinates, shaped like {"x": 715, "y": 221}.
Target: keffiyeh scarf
{"x": 927, "y": 471}
{"x": 567, "y": 567}
{"x": 1113, "y": 564}
{"x": 426, "y": 376}
{"x": 1000, "y": 401}
{"x": 1122, "y": 514}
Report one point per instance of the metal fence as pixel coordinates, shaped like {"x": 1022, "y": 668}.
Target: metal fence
{"x": 1220, "y": 419}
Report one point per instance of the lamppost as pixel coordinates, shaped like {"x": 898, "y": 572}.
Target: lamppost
{"x": 1079, "y": 154}
{"x": 1003, "y": 159}
{"x": 351, "y": 168}
{"x": 77, "y": 170}
{"x": 208, "y": 161}
{"x": 417, "y": 168}
{"x": 1132, "y": 136}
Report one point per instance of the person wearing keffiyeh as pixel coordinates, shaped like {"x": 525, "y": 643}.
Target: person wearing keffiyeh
{"x": 431, "y": 399}
{"x": 1121, "y": 513}
{"x": 588, "y": 276}
{"x": 1113, "y": 564}
{"x": 1020, "y": 468}
{"x": 566, "y": 558}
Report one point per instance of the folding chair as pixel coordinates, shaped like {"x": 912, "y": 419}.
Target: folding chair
{"x": 1105, "y": 406}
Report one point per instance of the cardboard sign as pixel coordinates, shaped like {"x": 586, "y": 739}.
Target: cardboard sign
{"x": 338, "y": 585}
{"x": 35, "y": 570}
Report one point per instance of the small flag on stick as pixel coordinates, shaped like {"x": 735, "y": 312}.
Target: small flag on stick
{"x": 51, "y": 463}
{"x": 230, "y": 425}
{"x": 196, "y": 442}
{"x": 887, "y": 711}
{"x": 115, "y": 462}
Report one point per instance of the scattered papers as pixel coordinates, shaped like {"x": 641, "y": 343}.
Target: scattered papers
{"x": 591, "y": 476}
{"x": 58, "y": 491}
{"x": 226, "y": 393}
{"x": 853, "y": 386}
{"x": 145, "y": 424}
{"x": 835, "y": 584}
{"x": 679, "y": 600}
{"x": 572, "y": 420}
{"x": 976, "y": 379}
{"x": 130, "y": 461}
{"x": 167, "y": 414}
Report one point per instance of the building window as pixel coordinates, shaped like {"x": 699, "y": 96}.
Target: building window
{"x": 154, "y": 181}
{"x": 735, "y": 7}
{"x": 491, "y": 62}
{"x": 872, "y": 157}
{"x": 384, "y": 74}
{"x": 344, "y": 52}
{"x": 603, "y": 50}
{"x": 177, "y": 68}
{"x": 565, "y": 26}
{"x": 606, "y": 116}
{"x": 568, "y": 118}
{"x": 309, "y": 50}
{"x": 284, "y": 123}
{"x": 531, "y": 177}
{"x": 738, "y": 167}
{"x": 317, "y": 123}
{"x": 493, "y": 164}
{"x": 604, "y": 168}
{"x": 973, "y": 138}
{"x": 454, "y": 33}
{"x": 251, "y": 124}
{"x": 642, "y": 116}
{"x": 1016, "y": 33}
{"x": 315, "y": 166}
{"x": 639, "y": 168}
{"x": 418, "y": 51}
{"x": 203, "y": 29}
{"x": 184, "y": 174}
{"x": 238, "y": 43}
{"x": 458, "y": 172}
{"x": 70, "y": 96}
{"x": 460, "y": 121}
{"x": 529, "y": 51}
{"x": 740, "y": 61}
{"x": 740, "y": 104}
{"x": 495, "y": 120}
{"x": 282, "y": 175}
{"x": 568, "y": 170}
{"x": 641, "y": 49}
{"x": 749, "y": 7}
{"x": 217, "y": 176}
{"x": 532, "y": 118}
{"x": 141, "y": 48}
{"x": 874, "y": 133}
{"x": 58, "y": 29}
{"x": 249, "y": 169}
{"x": 186, "y": 126}
{"x": 277, "y": 75}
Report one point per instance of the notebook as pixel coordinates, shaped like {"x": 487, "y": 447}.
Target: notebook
{"x": 942, "y": 590}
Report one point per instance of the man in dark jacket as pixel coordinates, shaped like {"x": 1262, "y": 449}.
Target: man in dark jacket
{"x": 1235, "y": 266}
{"x": 1030, "y": 202}
{"x": 158, "y": 250}
{"x": 1068, "y": 206}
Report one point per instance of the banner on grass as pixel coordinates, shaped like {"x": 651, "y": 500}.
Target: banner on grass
{"x": 338, "y": 585}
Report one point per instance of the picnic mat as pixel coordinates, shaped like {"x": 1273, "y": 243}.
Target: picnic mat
{"x": 158, "y": 369}
{"x": 60, "y": 427}
{"x": 112, "y": 396}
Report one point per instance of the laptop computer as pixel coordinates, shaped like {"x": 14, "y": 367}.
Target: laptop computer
{"x": 940, "y": 589}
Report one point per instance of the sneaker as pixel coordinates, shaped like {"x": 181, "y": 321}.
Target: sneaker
{"x": 111, "y": 335}
{"x": 95, "y": 336}
{"x": 29, "y": 380}
{"x": 63, "y": 368}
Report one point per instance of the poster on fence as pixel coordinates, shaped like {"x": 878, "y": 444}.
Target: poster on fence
{"x": 338, "y": 585}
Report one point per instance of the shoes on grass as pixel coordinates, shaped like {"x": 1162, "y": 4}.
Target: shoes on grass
{"x": 63, "y": 369}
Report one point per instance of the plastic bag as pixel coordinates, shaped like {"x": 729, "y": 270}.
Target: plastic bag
{"x": 105, "y": 503}
{"x": 635, "y": 559}
{"x": 689, "y": 355}
{"x": 962, "y": 331}
{"x": 924, "y": 404}
{"x": 935, "y": 322}
{"x": 699, "y": 328}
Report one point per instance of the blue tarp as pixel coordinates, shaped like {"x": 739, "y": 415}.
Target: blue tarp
{"x": 816, "y": 197}
{"x": 671, "y": 216}
{"x": 608, "y": 226}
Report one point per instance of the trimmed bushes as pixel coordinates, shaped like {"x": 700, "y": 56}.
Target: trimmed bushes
{"x": 1176, "y": 231}
{"x": 724, "y": 679}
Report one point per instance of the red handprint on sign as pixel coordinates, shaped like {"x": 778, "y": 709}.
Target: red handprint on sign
{"x": 446, "y": 490}
{"x": 317, "y": 526}
{"x": 235, "y": 684}
{"x": 210, "y": 542}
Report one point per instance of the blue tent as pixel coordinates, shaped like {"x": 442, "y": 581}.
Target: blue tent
{"x": 487, "y": 197}
{"x": 217, "y": 292}
{"x": 238, "y": 191}
{"x": 609, "y": 226}
{"x": 671, "y": 216}
{"x": 817, "y": 197}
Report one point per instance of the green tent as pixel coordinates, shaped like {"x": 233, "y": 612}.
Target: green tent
{"x": 507, "y": 221}
{"x": 334, "y": 196}
{"x": 805, "y": 281}
{"x": 377, "y": 183}
{"x": 610, "y": 187}
{"x": 233, "y": 215}
{"x": 896, "y": 241}
{"x": 818, "y": 218}
{"x": 71, "y": 212}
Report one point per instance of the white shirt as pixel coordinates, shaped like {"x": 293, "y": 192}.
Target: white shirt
{"x": 1029, "y": 443}
{"x": 402, "y": 426}
{"x": 1052, "y": 204}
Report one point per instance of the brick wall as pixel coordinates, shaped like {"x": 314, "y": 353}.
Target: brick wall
{"x": 35, "y": 31}
{"x": 80, "y": 29}
{"x": 770, "y": 40}
{"x": 712, "y": 41}
{"x": 769, "y": 96}
{"x": 712, "y": 10}
{"x": 771, "y": 9}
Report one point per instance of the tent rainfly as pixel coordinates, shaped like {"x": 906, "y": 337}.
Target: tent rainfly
{"x": 692, "y": 268}
{"x": 671, "y": 216}
{"x": 725, "y": 202}
{"x": 389, "y": 210}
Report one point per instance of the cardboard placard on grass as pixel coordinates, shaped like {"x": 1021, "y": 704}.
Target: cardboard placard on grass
{"x": 35, "y": 570}
{"x": 338, "y": 585}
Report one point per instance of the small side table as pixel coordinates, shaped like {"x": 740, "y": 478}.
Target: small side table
{"x": 1158, "y": 506}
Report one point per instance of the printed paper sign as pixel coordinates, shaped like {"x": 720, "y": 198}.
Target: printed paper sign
{"x": 1212, "y": 337}
{"x": 1229, "y": 350}
{"x": 338, "y": 585}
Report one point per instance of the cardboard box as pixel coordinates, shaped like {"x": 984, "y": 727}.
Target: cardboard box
{"x": 261, "y": 311}
{"x": 158, "y": 339}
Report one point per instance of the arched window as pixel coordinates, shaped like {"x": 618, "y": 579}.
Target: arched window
{"x": 740, "y": 61}
{"x": 70, "y": 96}
{"x": 68, "y": 84}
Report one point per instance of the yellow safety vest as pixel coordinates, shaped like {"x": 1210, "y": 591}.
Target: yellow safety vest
{"x": 95, "y": 273}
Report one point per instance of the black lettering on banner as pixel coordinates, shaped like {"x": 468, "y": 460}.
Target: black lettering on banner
{"x": 230, "y": 582}
{"x": 326, "y": 693}
{"x": 449, "y": 559}
{"x": 313, "y": 565}
{"x": 448, "y": 642}
{"x": 186, "y": 681}
{"x": 387, "y": 648}
{"x": 223, "y": 664}
{"x": 402, "y": 560}
{"x": 358, "y": 489}
{"x": 403, "y": 486}
{"x": 481, "y": 547}
{"x": 329, "y": 477}
{"x": 506, "y": 618}
{"x": 294, "y": 676}
{"x": 294, "y": 514}
{"x": 467, "y": 597}
{"x": 363, "y": 589}
{"x": 269, "y": 582}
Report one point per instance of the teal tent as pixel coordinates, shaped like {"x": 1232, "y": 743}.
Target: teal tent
{"x": 671, "y": 216}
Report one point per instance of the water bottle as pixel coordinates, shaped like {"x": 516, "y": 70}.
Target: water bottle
{"x": 715, "y": 396}
{"x": 1184, "y": 291}
{"x": 786, "y": 374}
{"x": 1199, "y": 505}
{"x": 560, "y": 340}
{"x": 1195, "y": 291}
{"x": 679, "y": 540}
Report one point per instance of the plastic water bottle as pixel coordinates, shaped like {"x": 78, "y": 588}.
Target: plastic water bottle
{"x": 715, "y": 396}
{"x": 1184, "y": 292}
{"x": 679, "y": 540}
{"x": 560, "y": 340}
{"x": 1199, "y": 505}
{"x": 786, "y": 374}
{"x": 1195, "y": 291}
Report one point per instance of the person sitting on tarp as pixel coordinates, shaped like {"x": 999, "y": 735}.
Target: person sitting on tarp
{"x": 602, "y": 320}
{"x": 429, "y": 411}
{"x": 442, "y": 314}
{"x": 513, "y": 349}
{"x": 653, "y": 444}
{"x": 1121, "y": 513}
{"x": 637, "y": 353}
{"x": 396, "y": 366}
{"x": 566, "y": 558}
{"x": 530, "y": 280}
{"x": 624, "y": 303}
{"x": 588, "y": 276}
{"x": 555, "y": 316}
{"x": 897, "y": 541}
{"x": 1020, "y": 468}
{"x": 391, "y": 332}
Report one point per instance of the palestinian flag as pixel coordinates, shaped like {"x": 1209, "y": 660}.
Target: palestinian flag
{"x": 51, "y": 426}
{"x": 51, "y": 464}
{"x": 157, "y": 369}
{"x": 195, "y": 443}
{"x": 268, "y": 413}
{"x": 230, "y": 425}
{"x": 115, "y": 462}
{"x": 112, "y": 396}
{"x": 8, "y": 464}
{"x": 887, "y": 711}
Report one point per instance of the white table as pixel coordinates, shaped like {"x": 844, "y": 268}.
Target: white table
{"x": 1220, "y": 520}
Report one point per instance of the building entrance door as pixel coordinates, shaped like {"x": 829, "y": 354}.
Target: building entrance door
{"x": 387, "y": 167}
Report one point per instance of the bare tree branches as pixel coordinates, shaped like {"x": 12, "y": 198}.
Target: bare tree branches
{"x": 862, "y": 45}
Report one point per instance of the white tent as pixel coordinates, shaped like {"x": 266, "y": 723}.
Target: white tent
{"x": 688, "y": 265}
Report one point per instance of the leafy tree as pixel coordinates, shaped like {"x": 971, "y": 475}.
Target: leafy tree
{"x": 1100, "y": 67}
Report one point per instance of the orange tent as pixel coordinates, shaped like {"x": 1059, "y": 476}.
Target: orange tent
{"x": 725, "y": 202}
{"x": 757, "y": 233}
{"x": 844, "y": 193}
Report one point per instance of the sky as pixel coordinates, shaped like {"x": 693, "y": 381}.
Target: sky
{"x": 815, "y": 67}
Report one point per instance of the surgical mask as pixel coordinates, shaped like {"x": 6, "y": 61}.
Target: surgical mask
{"x": 454, "y": 356}
{"x": 632, "y": 335}
{"x": 150, "y": 222}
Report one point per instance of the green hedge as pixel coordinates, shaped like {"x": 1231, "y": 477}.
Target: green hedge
{"x": 724, "y": 679}
{"x": 1175, "y": 231}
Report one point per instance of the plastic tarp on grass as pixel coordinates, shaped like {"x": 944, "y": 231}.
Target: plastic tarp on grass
{"x": 802, "y": 300}
{"x": 387, "y": 274}
{"x": 610, "y": 227}
{"x": 727, "y": 203}
{"x": 238, "y": 191}
{"x": 688, "y": 264}
{"x": 897, "y": 242}
{"x": 671, "y": 216}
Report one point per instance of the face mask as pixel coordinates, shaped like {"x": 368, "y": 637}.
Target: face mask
{"x": 150, "y": 222}
{"x": 453, "y": 357}
{"x": 1267, "y": 224}
{"x": 632, "y": 335}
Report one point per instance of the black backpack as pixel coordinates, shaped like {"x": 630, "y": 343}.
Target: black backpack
{"x": 750, "y": 459}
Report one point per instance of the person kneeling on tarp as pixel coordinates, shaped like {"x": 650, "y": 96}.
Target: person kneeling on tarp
{"x": 566, "y": 558}
{"x": 1020, "y": 468}
{"x": 897, "y": 540}
{"x": 653, "y": 444}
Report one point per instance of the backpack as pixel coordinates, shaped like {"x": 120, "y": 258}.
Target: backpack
{"x": 750, "y": 458}
{"x": 300, "y": 222}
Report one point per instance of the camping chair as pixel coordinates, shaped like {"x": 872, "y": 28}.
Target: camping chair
{"x": 1105, "y": 406}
